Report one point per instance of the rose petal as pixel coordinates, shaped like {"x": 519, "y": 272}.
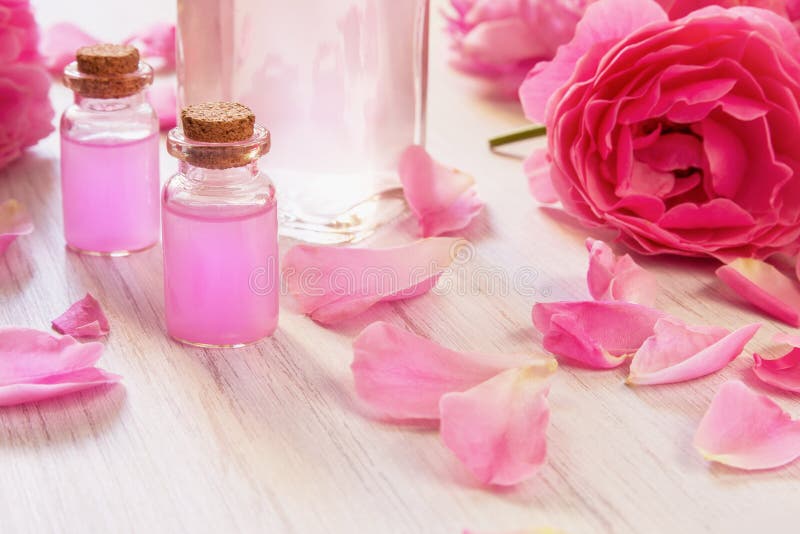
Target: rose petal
{"x": 443, "y": 199}
{"x": 156, "y": 43}
{"x": 537, "y": 168}
{"x": 59, "y": 43}
{"x": 745, "y": 430}
{"x": 334, "y": 284}
{"x": 84, "y": 319}
{"x": 56, "y": 386}
{"x": 14, "y": 221}
{"x": 498, "y": 428}
{"x": 163, "y": 98}
{"x": 599, "y": 335}
{"x": 612, "y": 277}
{"x": 765, "y": 287}
{"x": 783, "y": 372}
{"x": 404, "y": 375}
{"x": 35, "y": 365}
{"x": 677, "y": 352}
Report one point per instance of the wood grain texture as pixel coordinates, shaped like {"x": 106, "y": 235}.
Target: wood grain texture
{"x": 272, "y": 439}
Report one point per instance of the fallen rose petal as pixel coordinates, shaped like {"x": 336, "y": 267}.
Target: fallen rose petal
{"x": 783, "y": 372}
{"x": 443, "y": 199}
{"x": 163, "y": 98}
{"x": 156, "y": 43}
{"x": 14, "y": 222}
{"x": 498, "y": 428}
{"x": 404, "y": 376}
{"x": 677, "y": 352}
{"x": 59, "y": 43}
{"x": 746, "y": 430}
{"x": 84, "y": 319}
{"x": 765, "y": 287}
{"x": 599, "y": 334}
{"x": 612, "y": 277}
{"x": 333, "y": 284}
{"x": 537, "y": 168}
{"x": 35, "y": 365}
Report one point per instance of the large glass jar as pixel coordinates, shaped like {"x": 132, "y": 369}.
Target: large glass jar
{"x": 341, "y": 84}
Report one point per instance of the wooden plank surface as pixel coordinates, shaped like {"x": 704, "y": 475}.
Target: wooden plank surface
{"x": 272, "y": 438}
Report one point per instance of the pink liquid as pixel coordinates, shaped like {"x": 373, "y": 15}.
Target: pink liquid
{"x": 110, "y": 195}
{"x": 221, "y": 279}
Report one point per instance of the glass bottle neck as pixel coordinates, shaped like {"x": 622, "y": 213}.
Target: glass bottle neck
{"x": 111, "y": 104}
{"x": 219, "y": 177}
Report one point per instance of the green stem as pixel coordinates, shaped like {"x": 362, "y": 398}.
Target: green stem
{"x": 520, "y": 135}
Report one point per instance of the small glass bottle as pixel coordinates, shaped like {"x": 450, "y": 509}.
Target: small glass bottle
{"x": 109, "y": 153}
{"x": 220, "y": 233}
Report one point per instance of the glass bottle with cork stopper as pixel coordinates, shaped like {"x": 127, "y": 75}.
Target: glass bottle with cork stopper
{"x": 109, "y": 153}
{"x": 220, "y": 230}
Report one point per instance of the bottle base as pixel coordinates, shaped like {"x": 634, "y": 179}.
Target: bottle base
{"x": 201, "y": 345}
{"x": 108, "y": 254}
{"x": 353, "y": 225}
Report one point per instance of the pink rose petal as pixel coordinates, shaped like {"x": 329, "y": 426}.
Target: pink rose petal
{"x": 333, "y": 284}
{"x": 599, "y": 335}
{"x": 163, "y": 98}
{"x": 35, "y": 366}
{"x": 746, "y": 430}
{"x": 765, "y": 287}
{"x": 14, "y": 221}
{"x": 537, "y": 168}
{"x": 84, "y": 319}
{"x": 156, "y": 43}
{"x": 443, "y": 199}
{"x": 613, "y": 277}
{"x": 677, "y": 352}
{"x": 498, "y": 428}
{"x": 783, "y": 372}
{"x": 404, "y": 376}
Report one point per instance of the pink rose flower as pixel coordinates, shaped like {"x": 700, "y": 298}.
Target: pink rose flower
{"x": 680, "y": 8}
{"x": 25, "y": 111}
{"x": 680, "y": 134}
{"x": 19, "y": 33}
{"x": 501, "y": 40}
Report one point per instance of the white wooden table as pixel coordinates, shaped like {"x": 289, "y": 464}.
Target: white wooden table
{"x": 272, "y": 438}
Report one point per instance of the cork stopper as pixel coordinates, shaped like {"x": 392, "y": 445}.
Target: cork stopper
{"x": 107, "y": 59}
{"x": 107, "y": 71}
{"x": 218, "y": 122}
{"x": 218, "y": 135}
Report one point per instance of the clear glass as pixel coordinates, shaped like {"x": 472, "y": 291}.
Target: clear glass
{"x": 220, "y": 239}
{"x": 340, "y": 83}
{"x": 109, "y": 171}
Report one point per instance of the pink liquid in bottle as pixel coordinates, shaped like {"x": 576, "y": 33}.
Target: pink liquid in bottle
{"x": 110, "y": 194}
{"x": 221, "y": 279}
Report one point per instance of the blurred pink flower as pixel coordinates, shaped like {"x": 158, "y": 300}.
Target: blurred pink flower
{"x": 25, "y": 111}
{"x": 19, "y": 33}
{"x": 679, "y": 134}
{"x": 500, "y": 40}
